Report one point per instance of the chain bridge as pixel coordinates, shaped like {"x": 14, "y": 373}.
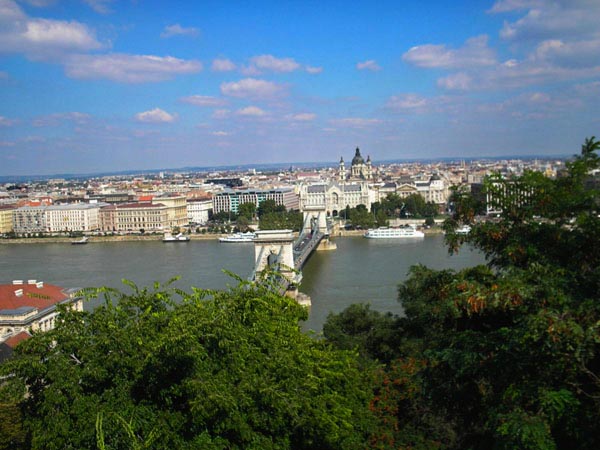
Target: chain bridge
{"x": 276, "y": 251}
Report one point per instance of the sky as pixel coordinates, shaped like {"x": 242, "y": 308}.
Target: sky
{"x": 105, "y": 85}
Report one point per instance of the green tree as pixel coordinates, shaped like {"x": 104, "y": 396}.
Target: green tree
{"x": 214, "y": 369}
{"x": 247, "y": 210}
{"x": 505, "y": 355}
{"x": 360, "y": 217}
{"x": 268, "y": 207}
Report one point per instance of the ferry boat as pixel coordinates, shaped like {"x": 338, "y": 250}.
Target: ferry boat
{"x": 394, "y": 233}
{"x": 465, "y": 229}
{"x": 179, "y": 238}
{"x": 239, "y": 238}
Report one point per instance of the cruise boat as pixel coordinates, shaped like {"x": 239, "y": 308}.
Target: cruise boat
{"x": 179, "y": 238}
{"x": 394, "y": 233}
{"x": 465, "y": 229}
{"x": 239, "y": 237}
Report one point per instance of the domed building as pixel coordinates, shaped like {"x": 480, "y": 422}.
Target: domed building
{"x": 359, "y": 170}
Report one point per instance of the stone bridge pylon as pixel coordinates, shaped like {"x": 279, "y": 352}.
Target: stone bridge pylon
{"x": 274, "y": 251}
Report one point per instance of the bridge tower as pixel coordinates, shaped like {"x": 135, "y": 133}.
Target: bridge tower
{"x": 315, "y": 219}
{"x": 274, "y": 250}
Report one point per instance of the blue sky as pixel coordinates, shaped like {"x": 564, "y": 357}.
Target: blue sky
{"x": 101, "y": 85}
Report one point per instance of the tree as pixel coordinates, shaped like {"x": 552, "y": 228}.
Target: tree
{"x": 505, "y": 355}
{"x": 269, "y": 206}
{"x": 247, "y": 210}
{"x": 361, "y": 217}
{"x": 216, "y": 369}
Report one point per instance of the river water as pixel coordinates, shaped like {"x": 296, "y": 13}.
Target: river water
{"x": 360, "y": 270}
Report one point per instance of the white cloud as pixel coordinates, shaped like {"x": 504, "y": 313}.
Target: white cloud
{"x": 302, "y": 117}
{"x": 129, "y": 68}
{"x": 42, "y": 39}
{"x": 155, "y": 115}
{"x": 370, "y": 64}
{"x": 100, "y": 6}
{"x": 314, "y": 70}
{"x": 409, "y": 102}
{"x": 550, "y": 19}
{"x": 270, "y": 63}
{"x": 354, "y": 122}
{"x": 6, "y": 122}
{"x": 178, "y": 30}
{"x": 251, "y": 111}
{"x": 457, "y": 81}
{"x": 475, "y": 53}
{"x": 203, "y": 100}
{"x": 56, "y": 119}
{"x": 222, "y": 65}
{"x": 221, "y": 114}
{"x": 220, "y": 133}
{"x": 252, "y": 88}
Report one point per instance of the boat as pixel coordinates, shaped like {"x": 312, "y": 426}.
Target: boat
{"x": 179, "y": 238}
{"x": 82, "y": 241}
{"x": 239, "y": 237}
{"x": 465, "y": 229}
{"x": 394, "y": 233}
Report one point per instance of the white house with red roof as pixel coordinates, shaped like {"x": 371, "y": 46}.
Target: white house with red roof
{"x": 31, "y": 305}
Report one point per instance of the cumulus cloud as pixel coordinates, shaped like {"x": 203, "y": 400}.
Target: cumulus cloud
{"x": 178, "y": 30}
{"x": 223, "y": 65}
{"x": 6, "y": 122}
{"x": 457, "y": 81}
{"x": 155, "y": 115}
{"x": 405, "y": 102}
{"x": 252, "y": 88}
{"x": 314, "y": 70}
{"x": 354, "y": 122}
{"x": 368, "y": 65}
{"x": 475, "y": 53}
{"x": 251, "y": 111}
{"x": 42, "y": 39}
{"x": 56, "y": 119}
{"x": 221, "y": 113}
{"x": 220, "y": 133}
{"x": 302, "y": 117}
{"x": 129, "y": 68}
{"x": 547, "y": 19}
{"x": 269, "y": 63}
{"x": 203, "y": 100}
{"x": 100, "y": 6}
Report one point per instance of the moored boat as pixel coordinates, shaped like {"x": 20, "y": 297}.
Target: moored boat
{"x": 465, "y": 229}
{"x": 238, "y": 238}
{"x": 394, "y": 233}
{"x": 179, "y": 238}
{"x": 82, "y": 241}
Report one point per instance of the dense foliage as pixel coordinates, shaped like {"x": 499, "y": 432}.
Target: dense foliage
{"x": 218, "y": 370}
{"x": 505, "y": 355}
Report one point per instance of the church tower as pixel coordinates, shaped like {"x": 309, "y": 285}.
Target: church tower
{"x": 342, "y": 170}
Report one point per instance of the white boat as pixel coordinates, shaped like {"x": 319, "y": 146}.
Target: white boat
{"x": 394, "y": 233}
{"x": 82, "y": 241}
{"x": 465, "y": 229}
{"x": 179, "y": 238}
{"x": 239, "y": 237}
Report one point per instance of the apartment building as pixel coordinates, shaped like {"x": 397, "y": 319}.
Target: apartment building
{"x": 229, "y": 200}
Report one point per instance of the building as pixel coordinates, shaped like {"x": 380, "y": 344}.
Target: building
{"x": 28, "y": 306}
{"x": 334, "y": 197}
{"x": 29, "y": 219}
{"x": 198, "y": 211}
{"x": 176, "y": 205}
{"x": 6, "y": 218}
{"x": 359, "y": 169}
{"x": 229, "y": 200}
{"x": 134, "y": 217}
{"x": 73, "y": 217}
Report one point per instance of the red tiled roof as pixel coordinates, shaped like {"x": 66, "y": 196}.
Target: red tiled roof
{"x": 40, "y": 298}
{"x": 14, "y": 340}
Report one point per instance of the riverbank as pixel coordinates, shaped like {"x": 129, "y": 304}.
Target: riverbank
{"x": 92, "y": 239}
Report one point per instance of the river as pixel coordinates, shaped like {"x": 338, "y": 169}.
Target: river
{"x": 360, "y": 270}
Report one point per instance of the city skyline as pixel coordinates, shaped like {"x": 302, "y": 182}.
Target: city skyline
{"x": 98, "y": 85}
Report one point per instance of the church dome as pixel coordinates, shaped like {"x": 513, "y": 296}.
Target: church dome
{"x": 358, "y": 159}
